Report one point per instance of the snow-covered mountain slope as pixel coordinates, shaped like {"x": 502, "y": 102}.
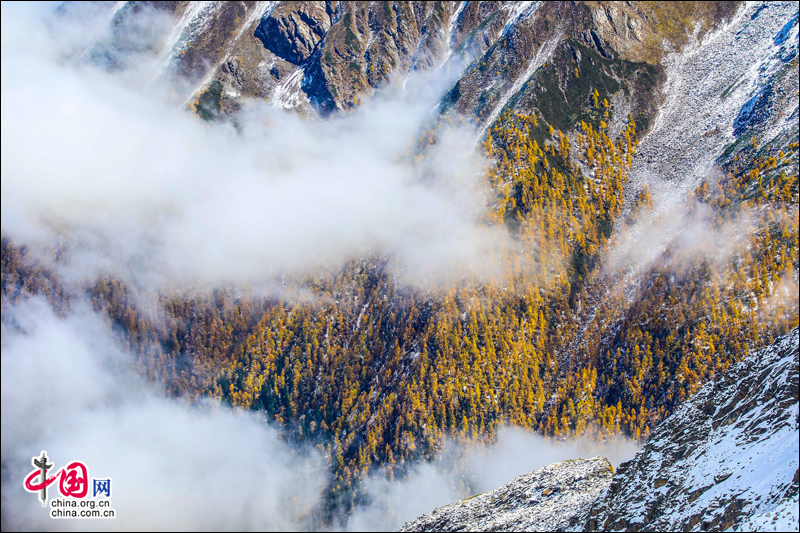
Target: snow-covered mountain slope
{"x": 552, "y": 498}
{"x": 784, "y": 517}
{"x": 727, "y": 458}
{"x": 720, "y": 88}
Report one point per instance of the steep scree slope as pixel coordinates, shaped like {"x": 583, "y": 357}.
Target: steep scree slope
{"x": 708, "y": 86}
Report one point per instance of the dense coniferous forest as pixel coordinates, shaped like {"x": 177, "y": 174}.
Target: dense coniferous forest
{"x": 377, "y": 373}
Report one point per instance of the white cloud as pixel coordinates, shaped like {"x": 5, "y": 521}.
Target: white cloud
{"x": 69, "y": 389}
{"x": 138, "y": 184}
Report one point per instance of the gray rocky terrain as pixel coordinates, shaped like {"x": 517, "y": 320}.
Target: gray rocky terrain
{"x": 552, "y": 498}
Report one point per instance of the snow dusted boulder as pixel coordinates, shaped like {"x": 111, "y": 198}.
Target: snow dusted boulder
{"x": 553, "y": 498}
{"x": 726, "y": 459}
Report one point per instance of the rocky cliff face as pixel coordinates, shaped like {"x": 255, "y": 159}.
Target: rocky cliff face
{"x": 728, "y": 458}
{"x": 552, "y": 498}
{"x": 293, "y": 29}
{"x": 728, "y": 454}
{"x": 324, "y": 57}
{"x": 697, "y": 76}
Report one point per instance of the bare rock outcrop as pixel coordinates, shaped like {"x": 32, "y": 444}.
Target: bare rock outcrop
{"x": 293, "y": 29}
{"x": 554, "y": 498}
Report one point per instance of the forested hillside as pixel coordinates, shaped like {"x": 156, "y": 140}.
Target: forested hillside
{"x": 377, "y": 373}
{"x": 612, "y": 301}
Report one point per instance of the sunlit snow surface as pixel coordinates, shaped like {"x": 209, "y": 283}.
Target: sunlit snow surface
{"x": 552, "y": 498}
{"x": 782, "y": 518}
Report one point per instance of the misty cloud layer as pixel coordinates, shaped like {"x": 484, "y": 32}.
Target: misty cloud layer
{"x": 141, "y": 186}
{"x": 687, "y": 229}
{"x": 68, "y": 388}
